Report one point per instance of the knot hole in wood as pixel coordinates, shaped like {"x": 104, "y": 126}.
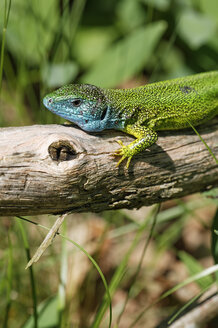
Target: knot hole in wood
{"x": 61, "y": 151}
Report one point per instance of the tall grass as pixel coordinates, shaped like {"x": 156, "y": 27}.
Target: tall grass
{"x": 31, "y": 273}
{"x": 6, "y": 18}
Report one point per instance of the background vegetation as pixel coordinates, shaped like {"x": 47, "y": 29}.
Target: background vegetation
{"x": 110, "y": 43}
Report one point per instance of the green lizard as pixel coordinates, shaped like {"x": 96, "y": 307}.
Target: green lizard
{"x": 141, "y": 111}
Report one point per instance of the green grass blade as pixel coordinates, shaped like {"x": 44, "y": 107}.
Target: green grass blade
{"x": 194, "y": 267}
{"x": 193, "y": 278}
{"x": 32, "y": 279}
{"x": 63, "y": 280}
{"x": 6, "y": 18}
{"x": 204, "y": 142}
{"x": 214, "y": 240}
{"x": 183, "y": 308}
{"x": 9, "y": 281}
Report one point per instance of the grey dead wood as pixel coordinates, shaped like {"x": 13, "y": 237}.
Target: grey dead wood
{"x": 59, "y": 168}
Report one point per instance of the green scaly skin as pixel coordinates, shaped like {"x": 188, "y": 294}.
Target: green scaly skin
{"x": 167, "y": 105}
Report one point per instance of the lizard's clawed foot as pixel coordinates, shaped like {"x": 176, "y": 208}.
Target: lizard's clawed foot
{"x": 124, "y": 152}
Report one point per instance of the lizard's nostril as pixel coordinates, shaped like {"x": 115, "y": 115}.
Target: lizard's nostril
{"x": 50, "y": 100}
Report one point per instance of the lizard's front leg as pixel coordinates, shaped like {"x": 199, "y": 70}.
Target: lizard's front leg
{"x": 145, "y": 137}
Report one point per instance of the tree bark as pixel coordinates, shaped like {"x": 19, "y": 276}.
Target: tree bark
{"x": 58, "y": 168}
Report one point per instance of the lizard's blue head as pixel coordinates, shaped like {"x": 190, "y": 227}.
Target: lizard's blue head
{"x": 82, "y": 104}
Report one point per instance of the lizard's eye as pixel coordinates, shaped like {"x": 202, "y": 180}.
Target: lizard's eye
{"x": 76, "y": 102}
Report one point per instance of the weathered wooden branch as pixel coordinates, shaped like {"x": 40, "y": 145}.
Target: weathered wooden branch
{"x": 57, "y": 168}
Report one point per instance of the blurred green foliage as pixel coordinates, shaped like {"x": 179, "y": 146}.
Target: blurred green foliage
{"x": 107, "y": 43}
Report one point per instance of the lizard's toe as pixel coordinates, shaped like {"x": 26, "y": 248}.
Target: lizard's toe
{"x": 122, "y": 158}
{"x": 128, "y": 161}
{"x": 120, "y": 143}
{"x": 118, "y": 152}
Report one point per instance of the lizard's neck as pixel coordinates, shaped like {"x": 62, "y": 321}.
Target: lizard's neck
{"x": 125, "y": 103}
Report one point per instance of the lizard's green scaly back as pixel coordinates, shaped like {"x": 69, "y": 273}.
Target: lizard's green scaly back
{"x": 169, "y": 104}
